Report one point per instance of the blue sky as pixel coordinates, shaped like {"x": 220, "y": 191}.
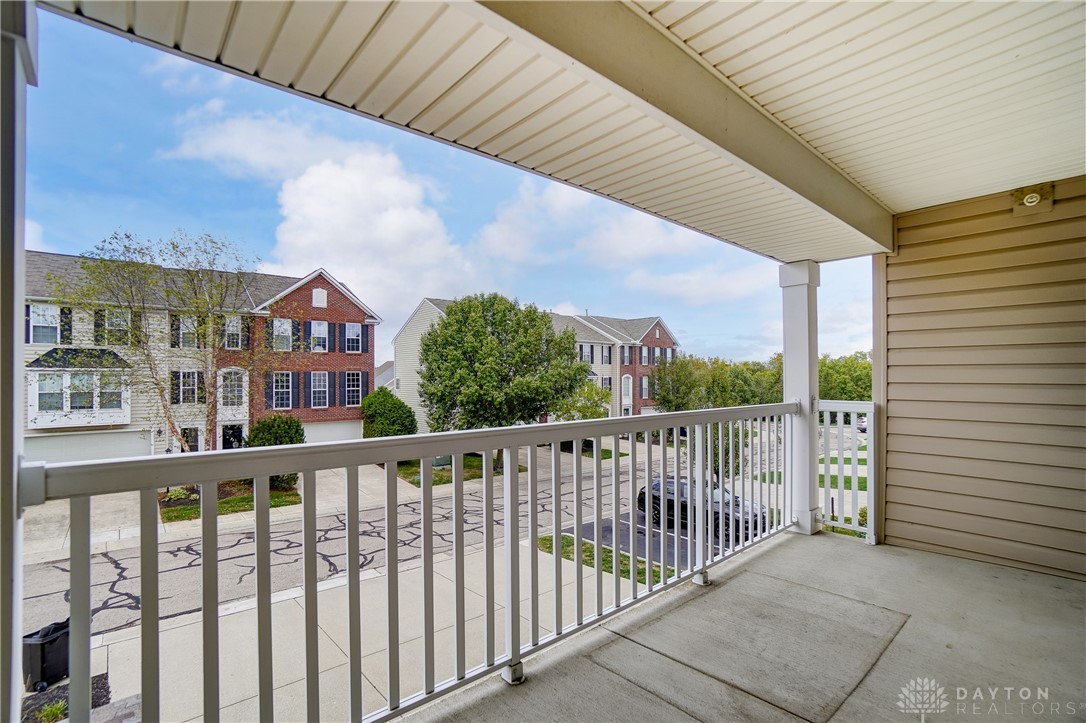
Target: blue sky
{"x": 123, "y": 137}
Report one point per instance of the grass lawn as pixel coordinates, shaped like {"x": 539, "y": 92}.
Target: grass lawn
{"x": 861, "y": 482}
{"x": 241, "y": 500}
{"x": 473, "y": 469}
{"x": 847, "y": 461}
{"x": 588, "y": 558}
{"x": 606, "y": 454}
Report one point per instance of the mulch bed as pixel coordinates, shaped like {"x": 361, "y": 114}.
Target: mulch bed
{"x": 34, "y": 702}
{"x": 232, "y": 488}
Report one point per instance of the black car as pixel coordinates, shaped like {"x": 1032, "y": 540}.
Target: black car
{"x": 722, "y": 499}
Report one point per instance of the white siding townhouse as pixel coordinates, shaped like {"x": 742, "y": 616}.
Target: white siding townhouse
{"x": 621, "y": 353}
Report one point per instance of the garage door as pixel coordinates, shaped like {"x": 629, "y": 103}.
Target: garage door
{"x": 85, "y": 446}
{"x": 333, "y": 431}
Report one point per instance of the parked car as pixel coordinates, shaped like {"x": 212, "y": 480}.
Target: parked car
{"x": 744, "y": 510}
{"x": 861, "y": 423}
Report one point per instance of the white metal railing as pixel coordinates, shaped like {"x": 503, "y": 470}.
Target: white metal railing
{"x": 736, "y": 462}
{"x": 846, "y": 466}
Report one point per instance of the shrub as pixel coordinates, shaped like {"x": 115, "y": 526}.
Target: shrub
{"x": 273, "y": 430}
{"x": 862, "y": 516}
{"x": 385, "y": 415}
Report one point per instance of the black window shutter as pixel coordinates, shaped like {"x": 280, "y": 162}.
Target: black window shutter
{"x": 201, "y": 392}
{"x": 175, "y": 387}
{"x": 175, "y": 331}
{"x": 245, "y": 322}
{"x": 592, "y": 353}
{"x": 343, "y": 388}
{"x": 99, "y": 326}
{"x": 365, "y": 337}
{"x": 365, "y": 384}
{"x": 28, "y": 323}
{"x": 269, "y": 389}
{"x": 295, "y": 391}
{"x": 307, "y": 337}
{"x": 331, "y": 389}
{"x": 307, "y": 399}
{"x": 66, "y": 325}
{"x": 296, "y": 335}
{"x": 135, "y": 328}
{"x": 269, "y": 332}
{"x": 331, "y": 344}
{"x": 218, "y": 328}
{"x": 342, "y": 337}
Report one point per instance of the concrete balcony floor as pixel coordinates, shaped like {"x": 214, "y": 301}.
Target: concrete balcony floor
{"x": 821, "y": 628}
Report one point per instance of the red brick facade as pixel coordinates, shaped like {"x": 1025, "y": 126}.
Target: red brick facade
{"x": 655, "y": 340}
{"x": 298, "y": 307}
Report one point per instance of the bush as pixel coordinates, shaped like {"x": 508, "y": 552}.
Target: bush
{"x": 862, "y": 516}
{"x": 274, "y": 430}
{"x": 385, "y": 415}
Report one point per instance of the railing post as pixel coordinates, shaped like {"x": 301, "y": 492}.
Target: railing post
{"x": 799, "y": 289}
{"x": 701, "y": 525}
{"x": 18, "y": 68}
{"x": 513, "y": 673}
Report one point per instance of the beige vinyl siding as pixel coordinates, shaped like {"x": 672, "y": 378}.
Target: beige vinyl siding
{"x": 406, "y": 355}
{"x": 983, "y": 396}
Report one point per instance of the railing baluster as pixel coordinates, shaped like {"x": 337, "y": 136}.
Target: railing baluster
{"x": 761, "y": 475}
{"x": 262, "y": 542}
{"x": 149, "y": 660}
{"x": 427, "y": 513}
{"x": 556, "y": 531}
{"x": 841, "y": 468}
{"x": 458, "y": 562}
{"x": 488, "y": 550}
{"x": 697, "y": 486}
{"x": 513, "y": 671}
{"x": 533, "y": 539}
{"x": 678, "y": 501}
{"x": 354, "y": 597}
{"x": 392, "y": 582}
{"x": 309, "y": 575}
{"x": 827, "y": 480}
{"x": 716, "y": 533}
{"x": 665, "y": 504}
{"x": 744, "y": 499}
{"x": 578, "y": 521}
{"x": 597, "y": 512}
{"x": 649, "y": 539}
{"x": 79, "y": 631}
{"x": 855, "y": 447}
{"x": 616, "y": 548}
{"x": 209, "y": 533}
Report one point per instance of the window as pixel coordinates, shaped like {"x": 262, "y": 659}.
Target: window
{"x": 645, "y": 355}
{"x": 318, "y": 393}
{"x": 50, "y": 392}
{"x": 81, "y": 392}
{"x": 281, "y": 334}
{"x": 281, "y": 391}
{"x": 231, "y": 338}
{"x": 605, "y": 383}
{"x": 354, "y": 389}
{"x": 110, "y": 387}
{"x": 354, "y": 338}
{"x": 644, "y": 387}
{"x": 115, "y": 325}
{"x": 625, "y": 354}
{"x": 188, "y": 388}
{"x": 320, "y": 298}
{"x": 233, "y": 388}
{"x": 318, "y": 337}
{"x": 190, "y": 333}
{"x": 44, "y": 324}
{"x": 605, "y": 352}
{"x": 657, "y": 333}
{"x": 627, "y": 387}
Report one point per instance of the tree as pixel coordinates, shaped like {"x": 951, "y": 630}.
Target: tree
{"x": 846, "y": 378}
{"x": 168, "y": 305}
{"x": 491, "y": 363}
{"x": 385, "y": 415}
{"x": 677, "y": 384}
{"x": 590, "y": 401}
{"x": 274, "y": 430}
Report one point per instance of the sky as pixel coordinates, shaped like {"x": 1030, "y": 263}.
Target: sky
{"x": 122, "y": 137}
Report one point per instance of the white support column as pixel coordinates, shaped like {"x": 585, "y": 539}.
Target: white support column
{"x": 18, "y": 62}
{"x": 799, "y": 288}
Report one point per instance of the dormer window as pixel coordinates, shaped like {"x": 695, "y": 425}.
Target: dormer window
{"x": 320, "y": 298}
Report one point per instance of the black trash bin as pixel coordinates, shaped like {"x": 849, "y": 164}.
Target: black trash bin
{"x": 45, "y": 656}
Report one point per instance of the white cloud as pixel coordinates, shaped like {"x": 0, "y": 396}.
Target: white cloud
{"x": 701, "y": 285}
{"x": 184, "y": 76}
{"x": 34, "y": 237}
{"x": 624, "y": 236}
{"x": 566, "y": 307}
{"x": 525, "y": 228}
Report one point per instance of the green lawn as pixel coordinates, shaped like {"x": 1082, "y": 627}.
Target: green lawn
{"x": 846, "y": 461}
{"x": 861, "y": 482}
{"x": 588, "y": 558}
{"x": 473, "y": 469}
{"x": 230, "y": 505}
{"x": 607, "y": 454}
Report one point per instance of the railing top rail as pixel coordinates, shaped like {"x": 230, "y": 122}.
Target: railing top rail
{"x": 834, "y": 405}
{"x": 71, "y": 479}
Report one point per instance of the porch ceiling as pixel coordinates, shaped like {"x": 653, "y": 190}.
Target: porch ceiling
{"x": 793, "y": 130}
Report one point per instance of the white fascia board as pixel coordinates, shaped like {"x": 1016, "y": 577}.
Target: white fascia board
{"x": 412, "y": 316}
{"x": 663, "y": 81}
{"x": 332, "y": 280}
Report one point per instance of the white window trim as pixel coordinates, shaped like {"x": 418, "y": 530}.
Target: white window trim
{"x": 347, "y": 389}
{"x": 187, "y": 321}
{"x": 194, "y": 387}
{"x": 644, "y": 356}
{"x": 627, "y": 389}
{"x": 228, "y": 330}
{"x": 289, "y": 390}
{"x": 45, "y": 312}
{"x": 277, "y": 323}
{"x": 313, "y": 388}
{"x": 320, "y": 298}
{"x": 348, "y": 338}
{"x": 645, "y": 387}
{"x": 66, "y": 416}
{"x": 244, "y": 398}
{"x": 314, "y": 335}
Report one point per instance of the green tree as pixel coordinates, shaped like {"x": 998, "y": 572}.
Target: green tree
{"x": 846, "y": 378}
{"x": 678, "y": 384}
{"x": 385, "y": 415}
{"x": 590, "y": 401}
{"x": 274, "y": 430}
{"x": 491, "y": 363}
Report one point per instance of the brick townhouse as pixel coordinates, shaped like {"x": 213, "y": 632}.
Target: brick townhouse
{"x": 621, "y": 353}
{"x": 314, "y": 335}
